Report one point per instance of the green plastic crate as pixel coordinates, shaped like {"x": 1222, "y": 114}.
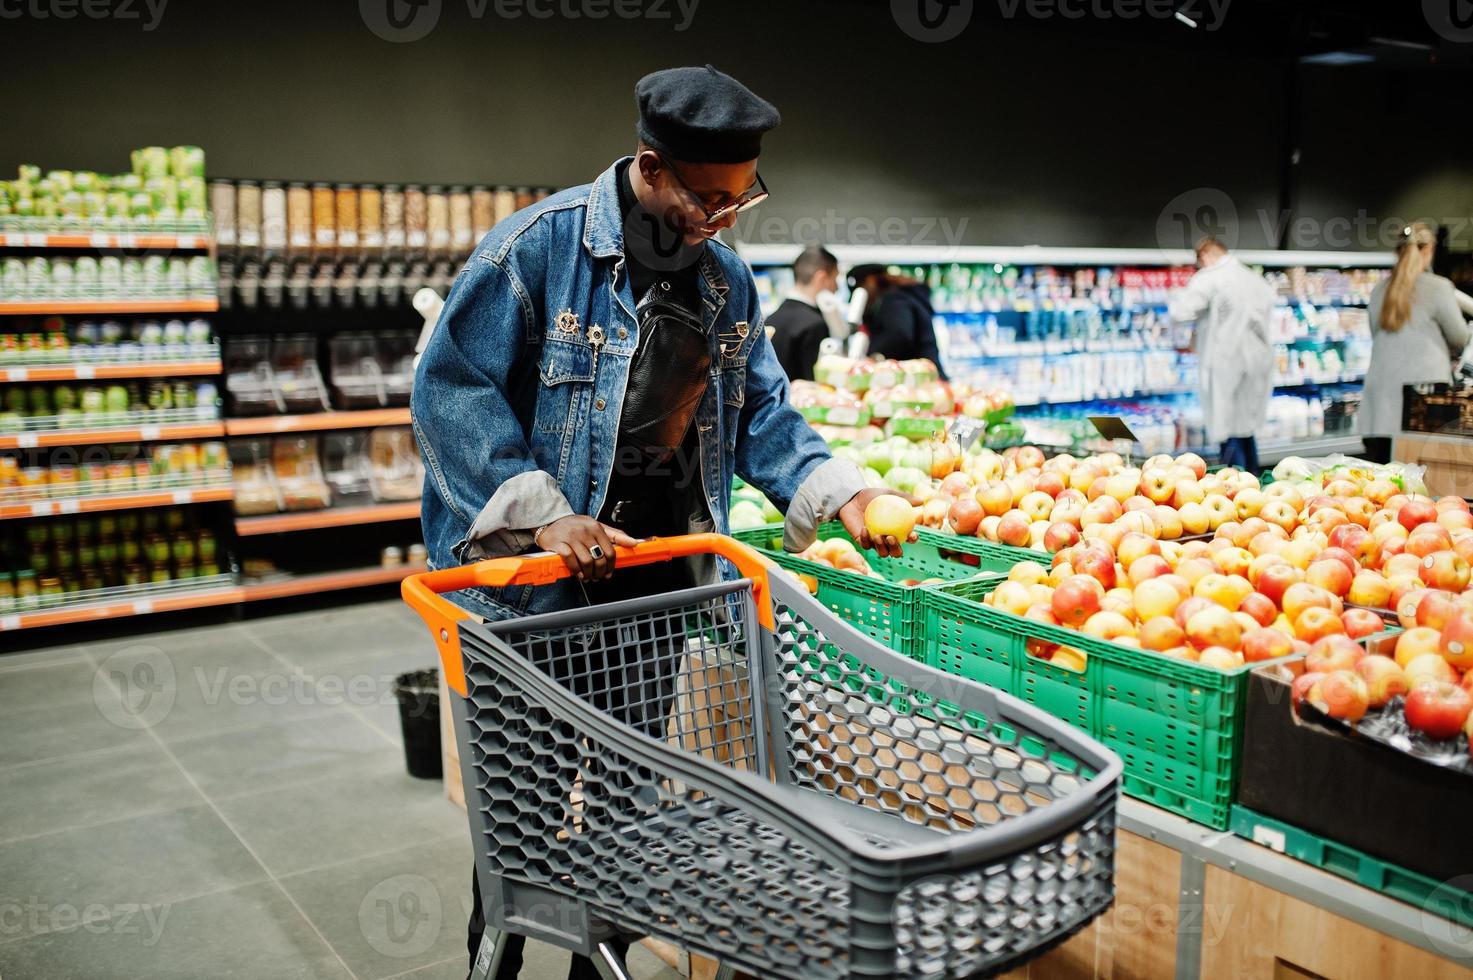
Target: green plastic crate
{"x": 1428, "y": 894}
{"x": 1177, "y": 726}
{"x": 880, "y": 608}
{"x": 994, "y": 557}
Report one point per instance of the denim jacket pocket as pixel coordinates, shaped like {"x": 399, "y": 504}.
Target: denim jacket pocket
{"x": 565, "y": 365}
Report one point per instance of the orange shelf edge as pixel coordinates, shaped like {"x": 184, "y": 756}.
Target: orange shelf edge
{"x": 328, "y": 517}
{"x": 94, "y": 437}
{"x": 266, "y": 425}
{"x": 230, "y": 595}
{"x": 46, "y": 307}
{"x": 187, "y": 241}
{"x": 120, "y": 501}
{"x": 328, "y": 582}
{"x": 87, "y": 372}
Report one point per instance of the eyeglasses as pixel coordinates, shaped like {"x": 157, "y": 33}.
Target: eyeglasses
{"x": 749, "y": 198}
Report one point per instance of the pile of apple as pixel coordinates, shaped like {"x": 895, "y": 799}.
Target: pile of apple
{"x": 1021, "y": 499}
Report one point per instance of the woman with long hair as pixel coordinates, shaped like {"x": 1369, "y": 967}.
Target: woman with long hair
{"x": 1417, "y": 333}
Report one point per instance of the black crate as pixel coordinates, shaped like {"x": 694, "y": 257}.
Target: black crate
{"x": 1329, "y": 781}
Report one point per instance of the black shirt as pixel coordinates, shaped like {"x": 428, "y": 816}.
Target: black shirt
{"x": 798, "y": 329}
{"x": 657, "y": 456}
{"x": 901, "y": 327}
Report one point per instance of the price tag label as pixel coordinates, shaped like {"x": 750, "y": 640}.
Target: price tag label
{"x": 16, "y": 374}
{"x": 1269, "y": 838}
{"x": 1112, "y": 427}
{"x": 149, "y": 432}
{"x": 189, "y": 241}
{"x": 68, "y": 507}
{"x": 183, "y": 496}
{"x": 41, "y": 509}
{"x": 142, "y": 607}
{"x": 27, "y": 440}
{"x": 85, "y": 372}
{"x": 967, "y": 430}
{"x": 36, "y": 239}
{"x": 11, "y": 622}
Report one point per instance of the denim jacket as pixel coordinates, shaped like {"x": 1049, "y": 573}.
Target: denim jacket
{"x": 517, "y": 398}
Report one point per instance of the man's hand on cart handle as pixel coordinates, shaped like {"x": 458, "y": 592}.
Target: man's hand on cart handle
{"x": 852, "y": 515}
{"x": 584, "y": 545}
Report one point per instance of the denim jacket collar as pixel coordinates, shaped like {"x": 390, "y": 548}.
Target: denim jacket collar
{"x": 603, "y": 237}
{"x": 603, "y": 229}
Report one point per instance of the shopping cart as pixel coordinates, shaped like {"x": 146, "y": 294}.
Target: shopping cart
{"x": 731, "y": 769}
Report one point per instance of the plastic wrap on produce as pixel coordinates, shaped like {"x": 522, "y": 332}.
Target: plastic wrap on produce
{"x": 1407, "y": 476}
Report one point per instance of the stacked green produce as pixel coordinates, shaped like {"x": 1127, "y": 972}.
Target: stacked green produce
{"x": 46, "y": 406}
{"x": 163, "y": 191}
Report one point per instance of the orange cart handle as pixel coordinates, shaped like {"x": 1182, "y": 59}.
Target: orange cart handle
{"x": 423, "y": 591}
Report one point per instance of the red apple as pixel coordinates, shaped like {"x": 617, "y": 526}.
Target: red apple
{"x": 1331, "y": 575}
{"x": 1014, "y": 529}
{"x": 1429, "y": 668}
{"x": 1436, "y": 608}
{"x": 1456, "y": 641}
{"x": 965, "y": 515}
{"x": 1303, "y": 684}
{"x": 1316, "y": 622}
{"x": 1445, "y": 570}
{"x": 1260, "y": 607}
{"x": 1361, "y": 622}
{"x": 1076, "y": 599}
{"x": 1335, "y": 651}
{"x": 1275, "y": 579}
{"x": 1341, "y": 694}
{"x": 1214, "y": 626}
{"x": 1438, "y": 709}
{"x": 1161, "y": 633}
{"x": 1266, "y": 644}
{"x": 1059, "y": 536}
{"x": 1383, "y": 678}
{"x": 1415, "y": 513}
{"x": 1098, "y": 563}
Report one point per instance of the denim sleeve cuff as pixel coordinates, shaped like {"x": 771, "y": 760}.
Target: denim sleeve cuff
{"x": 829, "y": 487}
{"x": 518, "y": 507}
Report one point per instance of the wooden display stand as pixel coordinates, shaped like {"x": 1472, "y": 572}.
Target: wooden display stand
{"x": 1449, "y": 460}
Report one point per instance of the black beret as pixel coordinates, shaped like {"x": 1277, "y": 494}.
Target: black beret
{"x": 699, "y": 115}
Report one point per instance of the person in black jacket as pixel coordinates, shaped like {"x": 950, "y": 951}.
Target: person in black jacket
{"x": 898, "y": 316}
{"x": 798, "y": 325}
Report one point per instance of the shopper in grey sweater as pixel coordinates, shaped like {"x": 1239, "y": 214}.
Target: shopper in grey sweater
{"x": 1417, "y": 333}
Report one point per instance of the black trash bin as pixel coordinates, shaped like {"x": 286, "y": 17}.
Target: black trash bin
{"x": 419, "y": 716}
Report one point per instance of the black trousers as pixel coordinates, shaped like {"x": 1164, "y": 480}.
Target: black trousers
{"x": 1378, "y": 449}
{"x": 638, "y": 688}
{"x": 1242, "y": 452}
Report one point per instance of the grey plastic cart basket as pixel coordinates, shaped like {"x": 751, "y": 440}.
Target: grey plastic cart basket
{"x": 794, "y": 800}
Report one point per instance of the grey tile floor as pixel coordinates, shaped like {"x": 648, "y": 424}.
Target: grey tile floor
{"x": 230, "y": 801}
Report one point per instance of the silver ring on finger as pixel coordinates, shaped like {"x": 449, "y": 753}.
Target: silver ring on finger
{"x": 597, "y": 552}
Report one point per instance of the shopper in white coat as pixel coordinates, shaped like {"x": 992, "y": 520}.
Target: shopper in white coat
{"x": 1417, "y": 334}
{"x": 1231, "y": 306}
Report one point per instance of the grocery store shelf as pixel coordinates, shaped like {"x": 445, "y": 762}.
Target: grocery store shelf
{"x": 279, "y": 587}
{"x": 105, "y": 436}
{"x": 330, "y": 517}
{"x": 293, "y": 585}
{"x": 270, "y": 424}
{"x": 66, "y": 307}
{"x": 105, "y": 239}
{"x": 89, "y": 372}
{"x": 170, "y": 597}
{"x": 116, "y": 501}
{"x": 851, "y": 255}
